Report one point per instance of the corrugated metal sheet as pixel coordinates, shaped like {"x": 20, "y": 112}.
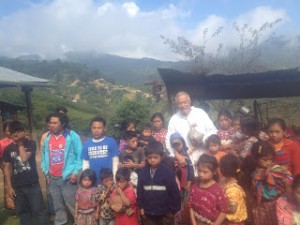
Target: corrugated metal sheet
{"x": 13, "y": 78}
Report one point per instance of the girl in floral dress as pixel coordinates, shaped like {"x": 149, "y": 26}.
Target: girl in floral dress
{"x": 207, "y": 201}
{"x": 86, "y": 204}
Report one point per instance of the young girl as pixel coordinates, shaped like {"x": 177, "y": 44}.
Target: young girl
{"x": 229, "y": 166}
{"x": 124, "y": 192}
{"x": 270, "y": 181}
{"x": 207, "y": 201}
{"x": 287, "y": 152}
{"x": 225, "y": 130}
{"x": 86, "y": 199}
{"x": 126, "y": 125}
{"x": 287, "y": 207}
{"x": 159, "y": 131}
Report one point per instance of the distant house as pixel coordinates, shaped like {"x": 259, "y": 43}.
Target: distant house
{"x": 11, "y": 78}
{"x": 270, "y": 84}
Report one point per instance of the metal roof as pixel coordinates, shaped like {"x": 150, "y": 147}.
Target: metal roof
{"x": 269, "y": 84}
{"x": 12, "y": 78}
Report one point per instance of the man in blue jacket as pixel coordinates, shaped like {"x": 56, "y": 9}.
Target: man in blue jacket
{"x": 158, "y": 196}
{"x": 61, "y": 163}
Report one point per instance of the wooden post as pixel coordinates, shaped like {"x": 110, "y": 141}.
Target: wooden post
{"x": 27, "y": 92}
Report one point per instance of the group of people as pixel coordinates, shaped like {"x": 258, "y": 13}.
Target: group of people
{"x": 193, "y": 172}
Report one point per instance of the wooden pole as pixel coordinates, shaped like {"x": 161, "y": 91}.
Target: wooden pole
{"x": 27, "y": 92}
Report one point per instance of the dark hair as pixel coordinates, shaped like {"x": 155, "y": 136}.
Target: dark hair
{"x": 128, "y": 135}
{"x": 250, "y": 126}
{"x": 125, "y": 124}
{"x": 169, "y": 161}
{"x": 89, "y": 173}
{"x": 105, "y": 173}
{"x": 146, "y": 126}
{"x": 6, "y": 125}
{"x": 60, "y": 109}
{"x": 159, "y": 115}
{"x": 225, "y": 113}
{"x": 278, "y": 121}
{"x": 98, "y": 119}
{"x": 213, "y": 139}
{"x": 229, "y": 165}
{"x": 296, "y": 182}
{"x": 154, "y": 147}
{"x": 123, "y": 173}
{"x": 16, "y": 126}
{"x": 211, "y": 163}
{"x": 261, "y": 149}
{"x": 63, "y": 119}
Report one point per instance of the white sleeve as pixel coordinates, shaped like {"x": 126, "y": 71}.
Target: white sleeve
{"x": 85, "y": 164}
{"x": 209, "y": 126}
{"x": 115, "y": 163}
{"x": 171, "y": 130}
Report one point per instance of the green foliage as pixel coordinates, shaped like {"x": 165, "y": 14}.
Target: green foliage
{"x": 138, "y": 112}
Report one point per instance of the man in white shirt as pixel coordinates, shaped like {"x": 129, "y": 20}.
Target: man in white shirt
{"x": 187, "y": 117}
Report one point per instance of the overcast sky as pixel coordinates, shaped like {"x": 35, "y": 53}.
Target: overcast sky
{"x": 133, "y": 28}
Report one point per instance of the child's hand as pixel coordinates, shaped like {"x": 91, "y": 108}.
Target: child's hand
{"x": 119, "y": 190}
{"x": 190, "y": 151}
{"x": 142, "y": 212}
{"x": 96, "y": 216}
{"x": 129, "y": 164}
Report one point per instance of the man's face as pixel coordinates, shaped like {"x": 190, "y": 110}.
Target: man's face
{"x": 184, "y": 104}
{"x": 55, "y": 126}
{"x": 97, "y": 130}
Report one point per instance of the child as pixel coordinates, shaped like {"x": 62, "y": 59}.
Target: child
{"x": 187, "y": 170}
{"x": 21, "y": 176}
{"x": 4, "y": 142}
{"x": 287, "y": 152}
{"x": 126, "y": 125}
{"x": 207, "y": 201}
{"x": 214, "y": 146}
{"x": 145, "y": 136}
{"x": 225, "y": 130}
{"x": 133, "y": 174}
{"x": 86, "y": 199}
{"x": 158, "y": 196}
{"x": 250, "y": 130}
{"x": 229, "y": 167}
{"x": 100, "y": 151}
{"x": 136, "y": 153}
{"x": 126, "y": 212}
{"x": 287, "y": 207}
{"x": 159, "y": 131}
{"x": 106, "y": 187}
{"x": 270, "y": 181}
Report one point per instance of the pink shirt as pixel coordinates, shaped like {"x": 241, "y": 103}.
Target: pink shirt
{"x": 3, "y": 144}
{"x": 208, "y": 202}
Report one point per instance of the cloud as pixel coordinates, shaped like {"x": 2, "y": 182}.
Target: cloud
{"x": 53, "y": 27}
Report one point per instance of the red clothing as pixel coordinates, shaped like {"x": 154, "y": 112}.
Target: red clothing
{"x": 208, "y": 202}
{"x": 3, "y": 144}
{"x": 287, "y": 155}
{"x": 87, "y": 198}
{"x": 123, "y": 218}
{"x": 160, "y": 136}
{"x": 57, "y": 154}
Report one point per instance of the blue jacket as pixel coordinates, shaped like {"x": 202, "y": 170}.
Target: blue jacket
{"x": 158, "y": 195}
{"x": 72, "y": 158}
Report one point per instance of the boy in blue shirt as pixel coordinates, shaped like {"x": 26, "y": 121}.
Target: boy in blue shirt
{"x": 100, "y": 151}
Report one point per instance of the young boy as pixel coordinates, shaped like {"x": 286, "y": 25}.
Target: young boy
{"x": 106, "y": 187}
{"x": 132, "y": 150}
{"x": 146, "y": 136}
{"x": 158, "y": 196}
{"x": 100, "y": 151}
{"x": 214, "y": 146}
{"x": 22, "y": 177}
